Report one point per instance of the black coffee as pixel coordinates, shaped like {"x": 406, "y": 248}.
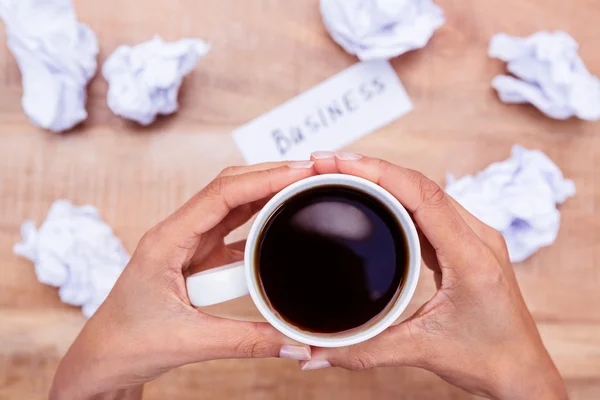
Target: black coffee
{"x": 331, "y": 259}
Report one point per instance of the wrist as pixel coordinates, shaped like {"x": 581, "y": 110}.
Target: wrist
{"x": 66, "y": 393}
{"x": 131, "y": 393}
{"x": 529, "y": 378}
{"x": 75, "y": 385}
{"x": 72, "y": 385}
{"x": 83, "y": 373}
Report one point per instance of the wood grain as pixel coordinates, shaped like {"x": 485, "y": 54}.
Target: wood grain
{"x": 265, "y": 52}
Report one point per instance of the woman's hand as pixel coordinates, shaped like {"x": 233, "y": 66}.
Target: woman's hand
{"x": 147, "y": 325}
{"x": 476, "y": 331}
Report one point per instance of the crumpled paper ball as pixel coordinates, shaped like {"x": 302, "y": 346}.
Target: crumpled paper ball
{"x": 144, "y": 80}
{"x": 57, "y": 57}
{"x": 75, "y": 251}
{"x": 548, "y": 73}
{"x": 381, "y": 29}
{"x": 518, "y": 198}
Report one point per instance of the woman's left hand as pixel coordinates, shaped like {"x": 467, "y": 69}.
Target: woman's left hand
{"x": 147, "y": 325}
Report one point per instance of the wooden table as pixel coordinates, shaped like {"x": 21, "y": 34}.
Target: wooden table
{"x": 265, "y": 52}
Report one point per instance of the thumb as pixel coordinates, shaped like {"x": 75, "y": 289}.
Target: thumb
{"x": 224, "y": 338}
{"x": 396, "y": 346}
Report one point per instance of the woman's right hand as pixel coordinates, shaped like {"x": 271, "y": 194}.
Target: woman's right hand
{"x": 476, "y": 331}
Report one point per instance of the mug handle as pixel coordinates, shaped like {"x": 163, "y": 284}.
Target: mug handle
{"x": 217, "y": 285}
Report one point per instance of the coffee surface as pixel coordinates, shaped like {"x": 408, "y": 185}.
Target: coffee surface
{"x": 331, "y": 259}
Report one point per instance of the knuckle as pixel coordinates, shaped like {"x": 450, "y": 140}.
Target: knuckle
{"x": 251, "y": 345}
{"x": 269, "y": 176}
{"x": 217, "y": 186}
{"x": 246, "y": 348}
{"x": 361, "y": 361}
{"x": 431, "y": 192}
{"x": 217, "y": 190}
{"x": 494, "y": 279}
{"x": 228, "y": 171}
{"x": 151, "y": 237}
{"x": 249, "y": 348}
{"x": 430, "y": 324}
{"x": 490, "y": 275}
{"x": 498, "y": 242}
{"x": 148, "y": 248}
{"x": 383, "y": 166}
{"x": 169, "y": 279}
{"x": 262, "y": 330}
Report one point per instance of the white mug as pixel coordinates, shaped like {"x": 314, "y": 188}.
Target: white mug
{"x": 231, "y": 281}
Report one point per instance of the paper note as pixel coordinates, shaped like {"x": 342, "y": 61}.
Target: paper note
{"x": 336, "y": 112}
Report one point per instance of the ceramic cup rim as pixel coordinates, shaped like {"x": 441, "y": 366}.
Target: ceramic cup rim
{"x": 392, "y": 313}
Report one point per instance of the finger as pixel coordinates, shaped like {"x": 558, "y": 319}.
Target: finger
{"x": 242, "y": 169}
{"x": 220, "y": 338}
{"x": 428, "y": 253}
{"x": 236, "y": 218}
{"x": 239, "y": 216}
{"x": 240, "y": 245}
{"x": 218, "y": 256}
{"x": 396, "y": 346}
{"x": 209, "y": 207}
{"x": 475, "y": 224}
{"x": 432, "y": 210}
{"x": 324, "y": 162}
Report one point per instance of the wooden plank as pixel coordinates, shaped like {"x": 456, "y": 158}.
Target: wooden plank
{"x": 265, "y": 52}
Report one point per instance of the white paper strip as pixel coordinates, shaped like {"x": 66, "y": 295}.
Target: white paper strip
{"x": 336, "y": 112}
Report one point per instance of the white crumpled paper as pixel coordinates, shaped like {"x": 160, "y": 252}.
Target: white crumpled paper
{"x": 144, "y": 80}
{"x": 517, "y": 197}
{"x": 549, "y": 74}
{"x": 381, "y": 29}
{"x": 57, "y": 57}
{"x": 75, "y": 251}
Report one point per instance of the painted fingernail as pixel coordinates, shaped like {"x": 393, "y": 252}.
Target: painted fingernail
{"x": 316, "y": 364}
{"x": 322, "y": 155}
{"x": 299, "y": 353}
{"x": 342, "y": 155}
{"x": 301, "y": 164}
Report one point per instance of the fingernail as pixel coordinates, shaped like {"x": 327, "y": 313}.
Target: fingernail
{"x": 322, "y": 155}
{"x": 294, "y": 352}
{"x": 342, "y": 155}
{"x": 301, "y": 164}
{"x": 316, "y": 364}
